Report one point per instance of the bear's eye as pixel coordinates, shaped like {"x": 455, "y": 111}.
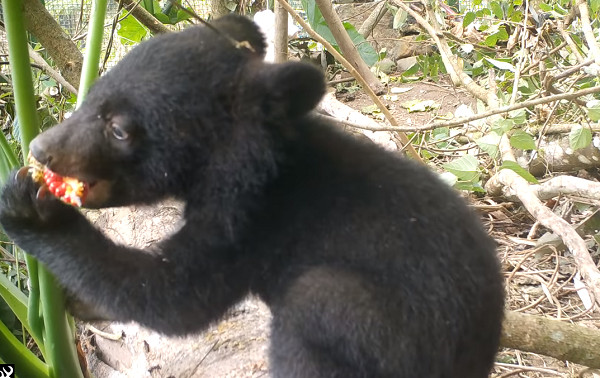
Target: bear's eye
{"x": 118, "y": 132}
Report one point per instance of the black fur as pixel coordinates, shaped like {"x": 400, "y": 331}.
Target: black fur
{"x": 371, "y": 266}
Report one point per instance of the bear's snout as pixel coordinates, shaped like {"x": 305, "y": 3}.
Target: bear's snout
{"x": 39, "y": 149}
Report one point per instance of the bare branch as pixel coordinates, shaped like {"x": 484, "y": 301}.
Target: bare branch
{"x": 461, "y": 121}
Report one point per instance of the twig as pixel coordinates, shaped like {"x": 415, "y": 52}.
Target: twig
{"x": 106, "y": 335}
{"x": 37, "y": 58}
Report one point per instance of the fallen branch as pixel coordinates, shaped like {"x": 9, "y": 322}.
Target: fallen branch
{"x": 552, "y": 338}
{"x": 557, "y": 155}
{"x": 566, "y": 186}
{"x": 507, "y": 181}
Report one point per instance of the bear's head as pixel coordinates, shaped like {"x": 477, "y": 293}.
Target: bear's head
{"x": 178, "y": 111}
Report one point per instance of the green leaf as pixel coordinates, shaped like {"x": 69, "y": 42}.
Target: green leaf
{"x": 502, "y": 34}
{"x": 593, "y": 113}
{"x": 491, "y": 40}
{"x": 522, "y": 141}
{"x": 182, "y": 16}
{"x": 594, "y": 5}
{"x": 518, "y": 116}
{"x": 519, "y": 170}
{"x": 545, "y": 7}
{"x": 162, "y": 17}
{"x": 366, "y": 51}
{"x": 502, "y": 126}
{"x": 489, "y": 144}
{"x": 469, "y": 18}
{"x": 517, "y": 16}
{"x": 496, "y": 9}
{"x": 580, "y": 137}
{"x": 465, "y": 168}
{"x": 131, "y": 31}
{"x": 469, "y": 186}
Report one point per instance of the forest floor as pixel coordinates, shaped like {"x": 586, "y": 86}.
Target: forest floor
{"x": 539, "y": 281}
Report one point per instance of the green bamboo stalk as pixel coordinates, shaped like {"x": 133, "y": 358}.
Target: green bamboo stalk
{"x": 58, "y": 337}
{"x": 91, "y": 60}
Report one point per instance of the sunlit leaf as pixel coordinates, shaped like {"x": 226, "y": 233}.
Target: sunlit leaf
{"x": 469, "y": 18}
{"x": 501, "y": 65}
{"x": 518, "y": 116}
{"x": 465, "y": 168}
{"x": 502, "y": 126}
{"x": 580, "y": 137}
{"x": 496, "y": 9}
{"x": 522, "y": 141}
{"x": 519, "y": 170}
{"x": 489, "y": 144}
{"x": 131, "y": 31}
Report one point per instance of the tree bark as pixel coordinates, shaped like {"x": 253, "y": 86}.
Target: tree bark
{"x": 552, "y": 338}
{"x": 57, "y": 43}
{"x": 218, "y": 9}
{"x": 281, "y": 34}
{"x": 347, "y": 47}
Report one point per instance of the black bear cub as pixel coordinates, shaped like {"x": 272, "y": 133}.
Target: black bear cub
{"x": 371, "y": 266}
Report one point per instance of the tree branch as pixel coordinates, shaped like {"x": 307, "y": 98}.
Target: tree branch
{"x": 57, "y": 43}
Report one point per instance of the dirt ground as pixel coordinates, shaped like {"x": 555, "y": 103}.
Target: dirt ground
{"x": 539, "y": 281}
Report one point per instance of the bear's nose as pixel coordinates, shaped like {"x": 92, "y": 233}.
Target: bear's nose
{"x": 39, "y": 151}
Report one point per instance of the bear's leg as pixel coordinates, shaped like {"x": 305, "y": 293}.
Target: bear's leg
{"x": 334, "y": 323}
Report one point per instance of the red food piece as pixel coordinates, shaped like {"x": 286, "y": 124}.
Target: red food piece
{"x": 69, "y": 190}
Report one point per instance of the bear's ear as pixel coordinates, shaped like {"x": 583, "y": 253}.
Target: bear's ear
{"x": 242, "y": 29}
{"x": 291, "y": 89}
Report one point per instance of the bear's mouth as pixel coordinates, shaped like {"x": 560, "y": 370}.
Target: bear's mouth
{"x": 71, "y": 190}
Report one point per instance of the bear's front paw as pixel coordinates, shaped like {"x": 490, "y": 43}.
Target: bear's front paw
{"x": 24, "y": 206}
